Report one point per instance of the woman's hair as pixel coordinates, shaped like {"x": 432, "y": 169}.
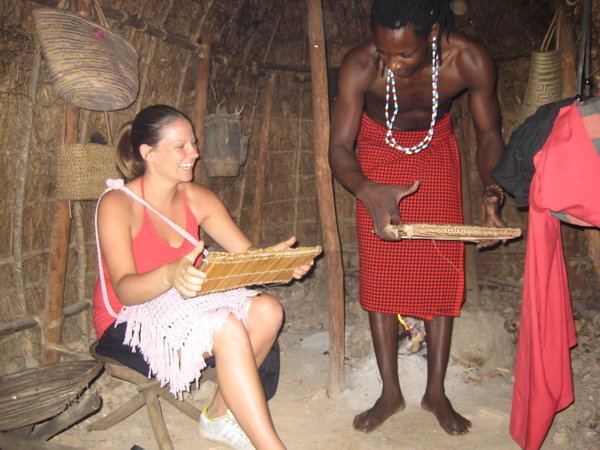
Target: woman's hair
{"x": 147, "y": 128}
{"x": 422, "y": 14}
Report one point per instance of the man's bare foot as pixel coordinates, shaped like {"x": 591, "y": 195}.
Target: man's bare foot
{"x": 450, "y": 421}
{"x": 379, "y": 413}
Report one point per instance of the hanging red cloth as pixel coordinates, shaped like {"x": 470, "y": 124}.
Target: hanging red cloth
{"x": 567, "y": 182}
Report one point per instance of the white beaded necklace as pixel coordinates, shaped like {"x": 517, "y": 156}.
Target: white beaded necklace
{"x": 391, "y": 85}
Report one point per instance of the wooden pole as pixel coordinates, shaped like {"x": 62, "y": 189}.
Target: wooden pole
{"x": 59, "y": 245}
{"x": 471, "y": 278}
{"x": 200, "y": 100}
{"x": 568, "y": 52}
{"x": 331, "y": 240}
{"x": 261, "y": 163}
{"x": 57, "y": 262}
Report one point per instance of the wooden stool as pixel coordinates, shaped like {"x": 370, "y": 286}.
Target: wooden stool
{"x": 149, "y": 392}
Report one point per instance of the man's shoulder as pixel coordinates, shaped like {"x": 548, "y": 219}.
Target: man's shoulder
{"x": 468, "y": 58}
{"x": 363, "y": 55}
{"x": 463, "y": 46}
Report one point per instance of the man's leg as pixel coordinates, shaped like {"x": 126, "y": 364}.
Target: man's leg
{"x": 384, "y": 330}
{"x": 439, "y": 336}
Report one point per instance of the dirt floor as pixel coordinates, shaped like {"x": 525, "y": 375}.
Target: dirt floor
{"x": 479, "y": 382}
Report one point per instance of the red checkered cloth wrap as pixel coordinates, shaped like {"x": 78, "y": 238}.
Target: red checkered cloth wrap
{"x": 417, "y": 278}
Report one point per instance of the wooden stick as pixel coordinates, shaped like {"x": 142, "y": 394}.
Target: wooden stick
{"x": 261, "y": 162}
{"x": 331, "y": 240}
{"x": 74, "y": 413}
{"x": 199, "y": 108}
{"x": 30, "y": 322}
{"x": 118, "y": 415}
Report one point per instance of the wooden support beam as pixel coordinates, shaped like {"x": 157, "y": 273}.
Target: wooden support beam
{"x": 200, "y": 101}
{"x": 331, "y": 240}
{"x": 57, "y": 261}
{"x": 261, "y": 162}
{"x": 568, "y": 52}
{"x": 465, "y": 130}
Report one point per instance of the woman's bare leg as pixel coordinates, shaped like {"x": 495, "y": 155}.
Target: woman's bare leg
{"x": 239, "y": 351}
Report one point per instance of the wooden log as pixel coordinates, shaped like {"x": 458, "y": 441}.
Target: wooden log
{"x": 200, "y": 101}
{"x": 331, "y": 240}
{"x": 261, "y": 162}
{"x": 157, "y": 421}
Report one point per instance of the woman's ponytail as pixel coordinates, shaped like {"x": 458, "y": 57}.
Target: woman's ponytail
{"x": 130, "y": 163}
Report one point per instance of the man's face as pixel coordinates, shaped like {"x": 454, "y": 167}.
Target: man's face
{"x": 401, "y": 50}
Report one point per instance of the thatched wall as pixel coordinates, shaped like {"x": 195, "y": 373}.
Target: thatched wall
{"x": 251, "y": 40}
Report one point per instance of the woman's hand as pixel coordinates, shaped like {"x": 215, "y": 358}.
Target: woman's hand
{"x": 299, "y": 271}
{"x": 184, "y": 276}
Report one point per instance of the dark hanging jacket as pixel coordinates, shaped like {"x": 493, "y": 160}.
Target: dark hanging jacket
{"x": 515, "y": 169}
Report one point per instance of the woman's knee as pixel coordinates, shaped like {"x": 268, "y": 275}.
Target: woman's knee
{"x": 232, "y": 331}
{"x": 267, "y": 310}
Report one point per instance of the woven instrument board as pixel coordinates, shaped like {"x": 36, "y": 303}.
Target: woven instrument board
{"x": 451, "y": 232}
{"x": 225, "y": 271}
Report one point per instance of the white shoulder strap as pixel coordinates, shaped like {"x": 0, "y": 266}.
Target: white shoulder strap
{"x": 120, "y": 184}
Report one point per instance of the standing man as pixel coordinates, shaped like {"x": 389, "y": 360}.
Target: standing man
{"x": 394, "y": 93}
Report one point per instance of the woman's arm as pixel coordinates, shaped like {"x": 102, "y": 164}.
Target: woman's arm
{"x": 214, "y": 218}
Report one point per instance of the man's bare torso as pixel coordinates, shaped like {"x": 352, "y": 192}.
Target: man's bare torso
{"x": 414, "y": 93}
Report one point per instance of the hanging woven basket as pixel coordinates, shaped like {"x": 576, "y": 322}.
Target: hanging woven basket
{"x": 89, "y": 65}
{"x": 82, "y": 170}
{"x": 544, "y": 84}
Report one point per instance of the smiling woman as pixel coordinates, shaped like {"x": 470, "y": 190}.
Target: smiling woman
{"x": 147, "y": 311}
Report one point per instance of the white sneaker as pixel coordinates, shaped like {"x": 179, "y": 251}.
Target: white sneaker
{"x": 224, "y": 429}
